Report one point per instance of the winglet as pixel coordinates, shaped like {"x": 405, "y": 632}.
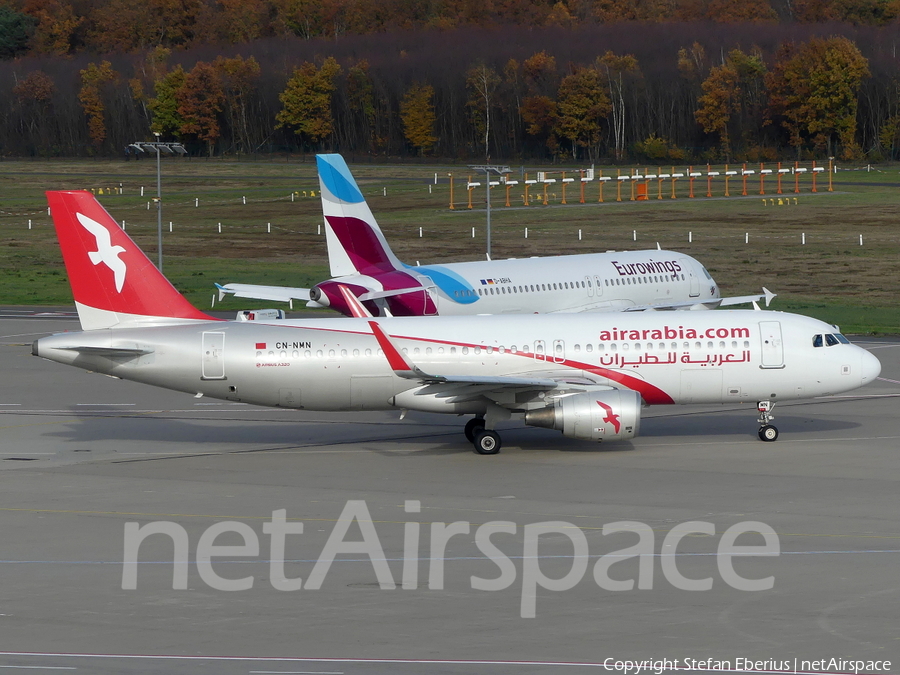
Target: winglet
{"x": 356, "y": 308}
{"x": 401, "y": 366}
{"x": 769, "y": 295}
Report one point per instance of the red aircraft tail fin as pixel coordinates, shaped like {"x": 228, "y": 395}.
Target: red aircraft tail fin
{"x": 113, "y": 282}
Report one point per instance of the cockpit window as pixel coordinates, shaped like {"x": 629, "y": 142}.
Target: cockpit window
{"x": 829, "y": 340}
{"x": 705, "y": 272}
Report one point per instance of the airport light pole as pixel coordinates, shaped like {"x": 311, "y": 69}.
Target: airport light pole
{"x": 488, "y": 168}
{"x": 171, "y": 148}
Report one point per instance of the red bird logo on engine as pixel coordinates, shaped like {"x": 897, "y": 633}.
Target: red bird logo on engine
{"x": 611, "y": 417}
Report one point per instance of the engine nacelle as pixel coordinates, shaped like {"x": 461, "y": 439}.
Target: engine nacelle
{"x": 328, "y": 294}
{"x": 317, "y": 296}
{"x": 613, "y": 415}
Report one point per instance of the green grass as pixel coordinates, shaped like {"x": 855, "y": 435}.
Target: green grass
{"x": 831, "y": 277}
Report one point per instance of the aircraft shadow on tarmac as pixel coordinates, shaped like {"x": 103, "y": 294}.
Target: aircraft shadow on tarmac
{"x": 167, "y": 436}
{"x": 739, "y": 426}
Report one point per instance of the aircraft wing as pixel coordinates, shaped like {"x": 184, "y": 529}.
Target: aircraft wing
{"x": 766, "y": 296}
{"x": 747, "y": 299}
{"x": 278, "y": 293}
{"x": 286, "y": 294}
{"x": 460, "y": 386}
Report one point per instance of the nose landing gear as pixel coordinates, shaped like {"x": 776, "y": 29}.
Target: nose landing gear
{"x": 487, "y": 442}
{"x": 767, "y": 432}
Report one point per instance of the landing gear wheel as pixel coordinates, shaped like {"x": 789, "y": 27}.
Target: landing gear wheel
{"x": 487, "y": 442}
{"x": 473, "y": 426}
{"x": 768, "y": 433}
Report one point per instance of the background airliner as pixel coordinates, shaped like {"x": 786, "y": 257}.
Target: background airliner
{"x": 586, "y": 375}
{"x": 363, "y": 264}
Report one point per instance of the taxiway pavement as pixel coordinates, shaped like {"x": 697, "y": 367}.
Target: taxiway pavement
{"x": 81, "y": 455}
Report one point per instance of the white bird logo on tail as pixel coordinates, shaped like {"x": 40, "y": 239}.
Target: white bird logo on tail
{"x": 106, "y": 253}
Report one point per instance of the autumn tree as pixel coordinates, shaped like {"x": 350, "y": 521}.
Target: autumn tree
{"x": 745, "y": 11}
{"x": 733, "y": 99}
{"x": 57, "y": 22}
{"x": 164, "y": 106}
{"x": 93, "y": 79}
{"x": 889, "y": 135}
{"x": 361, "y": 102}
{"x": 539, "y": 112}
{"x": 813, "y": 91}
{"x": 306, "y": 101}
{"x": 243, "y": 20}
{"x": 238, "y": 77}
{"x": 692, "y": 62}
{"x": 718, "y": 103}
{"x": 620, "y": 71}
{"x": 34, "y": 94}
{"x": 866, "y": 12}
{"x": 201, "y": 100}
{"x": 126, "y": 25}
{"x": 417, "y": 114}
{"x": 481, "y": 83}
{"x": 303, "y": 18}
{"x": 582, "y": 105}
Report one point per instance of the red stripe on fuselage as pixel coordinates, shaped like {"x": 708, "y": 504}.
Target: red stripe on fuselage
{"x": 652, "y": 394}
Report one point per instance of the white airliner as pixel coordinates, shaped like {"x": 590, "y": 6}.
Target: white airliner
{"x": 363, "y": 264}
{"x": 587, "y": 375}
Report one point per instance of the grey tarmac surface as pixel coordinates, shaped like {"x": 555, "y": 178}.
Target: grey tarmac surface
{"x": 81, "y": 455}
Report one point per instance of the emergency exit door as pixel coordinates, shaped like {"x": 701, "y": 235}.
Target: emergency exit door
{"x": 772, "y": 348}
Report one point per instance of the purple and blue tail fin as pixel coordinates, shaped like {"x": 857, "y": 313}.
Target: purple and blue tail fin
{"x": 356, "y": 245}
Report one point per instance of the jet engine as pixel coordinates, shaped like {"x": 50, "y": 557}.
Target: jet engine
{"x": 613, "y": 415}
{"x": 319, "y": 297}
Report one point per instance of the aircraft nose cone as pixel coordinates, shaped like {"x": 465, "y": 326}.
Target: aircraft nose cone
{"x": 870, "y": 367}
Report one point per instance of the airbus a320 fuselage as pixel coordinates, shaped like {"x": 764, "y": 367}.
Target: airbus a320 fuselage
{"x": 363, "y": 264}
{"x": 586, "y": 375}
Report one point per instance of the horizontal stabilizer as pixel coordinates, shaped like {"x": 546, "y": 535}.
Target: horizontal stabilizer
{"x": 767, "y": 295}
{"x": 111, "y": 352}
{"x": 252, "y": 291}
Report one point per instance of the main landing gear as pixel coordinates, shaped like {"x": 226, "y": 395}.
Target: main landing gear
{"x": 486, "y": 441}
{"x": 767, "y": 432}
